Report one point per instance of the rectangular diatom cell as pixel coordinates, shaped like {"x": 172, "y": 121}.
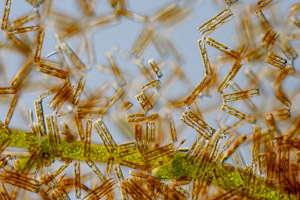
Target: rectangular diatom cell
{"x": 6, "y": 14}
{"x": 35, "y": 155}
{"x": 18, "y": 30}
{"x": 127, "y": 149}
{"x": 61, "y": 96}
{"x": 140, "y": 140}
{"x": 137, "y": 117}
{"x": 19, "y": 44}
{"x": 77, "y": 179}
{"x": 281, "y": 114}
{"x": 11, "y": 109}
{"x": 159, "y": 152}
{"x": 278, "y": 85}
{"x": 240, "y": 95}
{"x": 255, "y": 54}
{"x": 71, "y": 54}
{"x": 172, "y": 128}
{"x": 238, "y": 114}
{"x": 105, "y": 135}
{"x": 131, "y": 15}
{"x": 215, "y": 22}
{"x": 39, "y": 44}
{"x": 150, "y": 84}
{"x": 79, "y": 88}
{"x": 52, "y": 68}
{"x": 143, "y": 41}
{"x": 256, "y": 144}
{"x": 4, "y": 144}
{"x": 204, "y": 56}
{"x": 79, "y": 125}
{"x": 100, "y": 191}
{"x": 238, "y": 142}
{"x": 118, "y": 74}
{"x": 34, "y": 15}
{"x": 144, "y": 101}
{"x": 288, "y": 50}
{"x": 7, "y": 90}
{"x": 88, "y": 135}
{"x": 95, "y": 169}
{"x": 262, "y": 19}
{"x": 293, "y": 131}
{"x": 229, "y": 129}
{"x": 120, "y": 177}
{"x": 199, "y": 88}
{"x": 20, "y": 180}
{"x": 40, "y": 116}
{"x": 22, "y": 74}
{"x": 269, "y": 39}
{"x": 150, "y": 131}
{"x": 48, "y": 178}
{"x": 170, "y": 14}
{"x": 231, "y": 74}
{"x": 196, "y": 123}
{"x": 196, "y": 148}
{"x": 221, "y": 47}
{"x": 276, "y": 60}
{"x": 155, "y": 68}
{"x": 135, "y": 190}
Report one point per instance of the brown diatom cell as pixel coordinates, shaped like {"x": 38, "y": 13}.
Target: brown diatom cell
{"x": 137, "y": 99}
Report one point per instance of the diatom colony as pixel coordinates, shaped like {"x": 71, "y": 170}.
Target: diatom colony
{"x": 132, "y": 124}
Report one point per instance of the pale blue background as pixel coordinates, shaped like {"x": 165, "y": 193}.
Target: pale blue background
{"x": 184, "y": 36}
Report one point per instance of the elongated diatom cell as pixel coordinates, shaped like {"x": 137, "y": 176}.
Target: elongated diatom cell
{"x": 137, "y": 99}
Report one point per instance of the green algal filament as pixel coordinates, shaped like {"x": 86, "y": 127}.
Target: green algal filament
{"x": 165, "y": 167}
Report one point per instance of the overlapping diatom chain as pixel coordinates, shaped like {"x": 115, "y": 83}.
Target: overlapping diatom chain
{"x": 230, "y": 133}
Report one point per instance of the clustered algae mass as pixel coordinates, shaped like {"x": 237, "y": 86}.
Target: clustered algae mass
{"x": 249, "y": 150}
